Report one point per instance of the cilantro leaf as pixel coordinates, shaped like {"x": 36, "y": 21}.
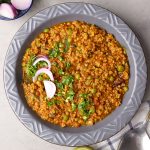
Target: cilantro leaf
{"x": 30, "y": 69}
{"x": 70, "y": 95}
{"x": 68, "y": 79}
{"x": 50, "y": 103}
{"x": 74, "y": 106}
{"x": 67, "y": 45}
{"x": 67, "y": 64}
{"x": 55, "y": 52}
{"x": 59, "y": 85}
{"x": 61, "y": 72}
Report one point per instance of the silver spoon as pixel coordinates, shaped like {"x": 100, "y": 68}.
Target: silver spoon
{"x": 138, "y": 138}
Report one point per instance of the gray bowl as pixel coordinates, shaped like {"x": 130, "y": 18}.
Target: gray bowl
{"x": 84, "y": 135}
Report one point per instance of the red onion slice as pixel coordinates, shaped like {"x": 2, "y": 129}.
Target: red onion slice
{"x": 50, "y": 88}
{"x": 43, "y": 70}
{"x": 42, "y": 59}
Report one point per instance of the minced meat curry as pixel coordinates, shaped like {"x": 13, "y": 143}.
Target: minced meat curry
{"x": 90, "y": 70}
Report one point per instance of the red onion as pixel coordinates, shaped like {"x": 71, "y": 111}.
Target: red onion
{"x": 21, "y": 4}
{"x": 8, "y": 11}
{"x": 42, "y": 59}
{"x": 43, "y": 70}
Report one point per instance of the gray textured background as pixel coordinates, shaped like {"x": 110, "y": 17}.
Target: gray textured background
{"x": 13, "y": 135}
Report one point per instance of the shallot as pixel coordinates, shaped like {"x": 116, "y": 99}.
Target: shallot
{"x": 50, "y": 88}
{"x": 21, "y": 4}
{"x": 43, "y": 70}
{"x": 42, "y": 59}
{"x": 8, "y": 11}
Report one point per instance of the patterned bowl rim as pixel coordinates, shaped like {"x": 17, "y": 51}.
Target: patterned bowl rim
{"x": 111, "y": 124}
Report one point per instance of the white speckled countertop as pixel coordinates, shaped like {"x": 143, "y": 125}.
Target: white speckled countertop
{"x": 13, "y": 135}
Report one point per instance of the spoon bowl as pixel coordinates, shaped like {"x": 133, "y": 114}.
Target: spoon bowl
{"x": 137, "y": 138}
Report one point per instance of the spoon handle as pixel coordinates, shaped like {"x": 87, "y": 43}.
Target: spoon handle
{"x": 148, "y": 124}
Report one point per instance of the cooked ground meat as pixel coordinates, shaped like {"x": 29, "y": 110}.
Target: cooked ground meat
{"x": 90, "y": 69}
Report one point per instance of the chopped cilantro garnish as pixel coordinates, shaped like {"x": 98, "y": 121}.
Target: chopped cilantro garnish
{"x": 60, "y": 58}
{"x": 70, "y": 95}
{"x": 65, "y": 117}
{"x": 41, "y": 64}
{"x": 67, "y": 64}
{"x": 85, "y": 118}
{"x": 57, "y": 102}
{"x": 60, "y": 85}
{"x": 50, "y": 103}
{"x": 46, "y": 30}
{"x": 61, "y": 72}
{"x": 59, "y": 94}
{"x": 84, "y": 95}
{"x": 92, "y": 110}
{"x": 55, "y": 52}
{"x": 71, "y": 92}
{"x": 55, "y": 64}
{"x": 67, "y": 79}
{"x": 40, "y": 78}
{"x": 83, "y": 106}
{"x": 30, "y": 69}
{"x": 53, "y": 102}
{"x": 71, "y": 85}
{"x": 74, "y": 106}
{"x": 69, "y": 31}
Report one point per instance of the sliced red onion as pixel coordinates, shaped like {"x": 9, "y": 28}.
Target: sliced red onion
{"x": 21, "y": 4}
{"x": 8, "y": 11}
{"x": 43, "y": 70}
{"x": 50, "y": 88}
{"x": 43, "y": 56}
{"x": 42, "y": 59}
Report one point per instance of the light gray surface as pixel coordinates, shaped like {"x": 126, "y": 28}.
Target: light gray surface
{"x": 115, "y": 121}
{"x": 13, "y": 134}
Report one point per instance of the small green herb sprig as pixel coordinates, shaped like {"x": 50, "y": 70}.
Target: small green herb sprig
{"x": 30, "y": 69}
